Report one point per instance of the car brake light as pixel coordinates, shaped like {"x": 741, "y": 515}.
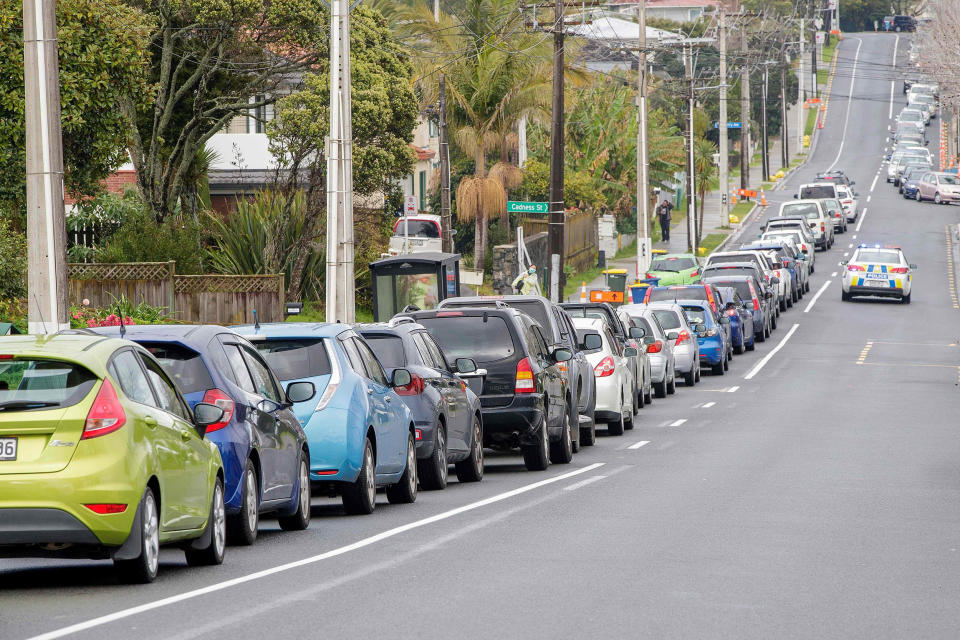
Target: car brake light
{"x": 694, "y": 274}
{"x": 219, "y": 399}
{"x": 649, "y": 275}
{"x": 898, "y": 270}
{"x": 756, "y": 304}
{"x": 731, "y": 312}
{"x": 525, "y": 383}
{"x": 415, "y": 387}
{"x": 419, "y": 434}
{"x": 713, "y": 304}
{"x": 106, "y": 415}
{"x": 855, "y": 267}
{"x": 604, "y": 368}
{"x": 449, "y": 314}
{"x": 106, "y": 509}
{"x": 655, "y": 347}
{"x": 682, "y": 337}
{"x": 822, "y": 227}
{"x": 6, "y": 356}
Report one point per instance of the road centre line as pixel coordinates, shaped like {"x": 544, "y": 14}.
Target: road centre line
{"x": 339, "y": 551}
{"x": 868, "y": 198}
{"x": 875, "y": 178}
{"x": 890, "y": 115}
{"x": 860, "y": 223}
{"x": 732, "y": 389}
{"x": 707, "y": 405}
{"x": 677, "y": 423}
{"x": 833, "y": 275}
{"x": 756, "y": 369}
{"x": 817, "y": 296}
{"x": 853, "y": 80}
{"x": 583, "y": 483}
{"x": 896, "y": 43}
{"x": 849, "y": 246}
{"x": 846, "y": 253}
{"x": 637, "y": 445}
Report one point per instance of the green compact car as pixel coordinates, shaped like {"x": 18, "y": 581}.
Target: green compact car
{"x": 674, "y": 268}
{"x": 100, "y": 457}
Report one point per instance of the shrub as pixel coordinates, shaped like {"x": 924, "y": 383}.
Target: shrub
{"x": 84, "y": 316}
{"x": 13, "y": 262}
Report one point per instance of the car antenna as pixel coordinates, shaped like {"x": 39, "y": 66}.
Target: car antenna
{"x": 123, "y": 329}
{"x": 256, "y": 320}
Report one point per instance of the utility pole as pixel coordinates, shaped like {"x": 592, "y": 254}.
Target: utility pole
{"x": 724, "y": 150}
{"x": 522, "y": 141}
{"x": 340, "y": 293}
{"x": 643, "y": 150}
{"x": 765, "y": 155}
{"x": 801, "y": 91}
{"x": 745, "y": 112}
{"x": 814, "y": 89}
{"x": 785, "y": 129}
{"x": 692, "y": 180}
{"x": 436, "y": 10}
{"x": 555, "y": 237}
{"x": 446, "y": 222}
{"x": 46, "y": 225}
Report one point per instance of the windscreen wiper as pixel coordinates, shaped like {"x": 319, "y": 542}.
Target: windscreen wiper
{"x": 26, "y": 404}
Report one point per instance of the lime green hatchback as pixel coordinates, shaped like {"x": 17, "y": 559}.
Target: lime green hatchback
{"x": 100, "y": 457}
{"x": 674, "y": 268}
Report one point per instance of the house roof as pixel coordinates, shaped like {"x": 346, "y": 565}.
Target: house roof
{"x": 662, "y": 4}
{"x": 611, "y": 27}
{"x": 423, "y": 153}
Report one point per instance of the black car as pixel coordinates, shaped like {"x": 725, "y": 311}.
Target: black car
{"x": 559, "y": 332}
{"x": 758, "y": 304}
{"x": 446, "y": 412}
{"x": 836, "y": 176}
{"x": 899, "y": 23}
{"x": 524, "y": 398}
{"x": 766, "y": 292}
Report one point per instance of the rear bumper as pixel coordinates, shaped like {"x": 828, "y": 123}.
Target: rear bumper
{"x": 711, "y": 352}
{"x": 609, "y": 389}
{"x": 890, "y": 292}
{"x": 522, "y": 417}
{"x": 43, "y": 526}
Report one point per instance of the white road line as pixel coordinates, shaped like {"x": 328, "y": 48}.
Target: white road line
{"x": 853, "y": 80}
{"x": 849, "y": 246}
{"x": 833, "y": 275}
{"x": 875, "y": 178}
{"x": 339, "y": 551}
{"x": 896, "y": 43}
{"x": 817, "y": 296}
{"x": 854, "y": 236}
{"x": 732, "y": 389}
{"x": 637, "y": 445}
{"x": 890, "y": 115}
{"x": 869, "y": 197}
{"x": 846, "y": 253}
{"x": 708, "y": 405}
{"x": 860, "y": 223}
{"x": 677, "y": 423}
{"x": 583, "y": 483}
{"x": 756, "y": 369}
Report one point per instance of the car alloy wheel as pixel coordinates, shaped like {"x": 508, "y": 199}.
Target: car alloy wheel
{"x": 917, "y": 195}
{"x": 442, "y": 455}
{"x": 151, "y": 534}
{"x": 242, "y": 526}
{"x": 433, "y": 470}
{"x": 300, "y": 519}
{"x": 471, "y": 469}
{"x": 219, "y": 521}
{"x": 370, "y": 482}
{"x": 405, "y": 491}
{"x": 937, "y": 199}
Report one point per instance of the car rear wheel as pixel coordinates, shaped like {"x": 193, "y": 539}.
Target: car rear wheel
{"x": 916, "y": 196}
{"x": 471, "y": 469}
{"x": 660, "y": 388}
{"x": 242, "y": 526}
{"x": 717, "y": 369}
{"x": 360, "y": 496}
{"x": 300, "y": 519}
{"x": 937, "y": 199}
{"x": 536, "y": 456}
{"x": 844, "y": 296}
{"x": 752, "y": 345}
{"x": 143, "y": 568}
{"x": 672, "y": 386}
{"x": 615, "y": 428}
{"x": 561, "y": 451}
{"x": 213, "y": 553}
{"x": 405, "y": 491}
{"x": 740, "y": 348}
{"x": 433, "y": 470}
{"x": 905, "y": 299}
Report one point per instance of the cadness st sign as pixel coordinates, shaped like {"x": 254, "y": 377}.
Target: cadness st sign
{"x": 527, "y": 207}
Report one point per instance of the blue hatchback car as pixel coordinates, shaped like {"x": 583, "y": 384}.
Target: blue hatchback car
{"x": 361, "y": 433}
{"x": 264, "y": 449}
{"x": 710, "y": 334}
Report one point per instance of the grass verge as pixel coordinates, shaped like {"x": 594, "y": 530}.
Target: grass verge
{"x": 811, "y": 121}
{"x": 709, "y": 243}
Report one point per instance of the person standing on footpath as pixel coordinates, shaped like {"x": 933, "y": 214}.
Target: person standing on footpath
{"x": 663, "y": 214}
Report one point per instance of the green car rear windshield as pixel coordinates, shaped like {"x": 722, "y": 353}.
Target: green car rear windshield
{"x": 672, "y": 264}
{"x": 28, "y": 384}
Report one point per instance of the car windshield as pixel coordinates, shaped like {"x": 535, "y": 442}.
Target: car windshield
{"x": 296, "y": 359}
{"x": 808, "y": 210}
{"x": 817, "y": 191}
{"x": 660, "y": 294}
{"x": 672, "y": 264}
{"x": 388, "y": 349}
{"x": 949, "y": 179}
{"x": 184, "y": 365}
{"x": 832, "y": 205}
{"x": 668, "y": 319}
{"x": 483, "y": 338}
{"x": 418, "y": 228}
{"x": 27, "y": 384}
{"x": 795, "y": 237}
{"x": 880, "y": 256}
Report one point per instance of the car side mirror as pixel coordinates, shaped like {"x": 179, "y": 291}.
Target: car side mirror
{"x": 561, "y": 355}
{"x": 852, "y": 182}
{"x": 204, "y": 415}
{"x": 637, "y": 332}
{"x": 401, "y": 378}
{"x": 913, "y": 266}
{"x": 300, "y": 392}
{"x": 465, "y": 365}
{"x": 592, "y": 342}
{"x": 795, "y": 196}
{"x": 630, "y": 352}
{"x": 649, "y": 339}
{"x": 673, "y": 335}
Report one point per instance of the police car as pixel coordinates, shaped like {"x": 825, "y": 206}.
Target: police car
{"x": 878, "y": 270}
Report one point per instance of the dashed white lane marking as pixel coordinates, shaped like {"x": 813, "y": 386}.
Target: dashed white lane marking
{"x": 707, "y": 405}
{"x": 860, "y": 223}
{"x": 833, "y": 275}
{"x": 637, "y": 445}
{"x": 756, "y": 369}
{"x": 677, "y": 423}
{"x": 817, "y": 296}
{"x": 868, "y": 198}
{"x": 339, "y": 551}
{"x": 849, "y": 246}
{"x": 853, "y": 80}
{"x": 583, "y": 483}
{"x": 875, "y": 178}
{"x": 854, "y": 236}
{"x": 732, "y": 389}
{"x": 846, "y": 253}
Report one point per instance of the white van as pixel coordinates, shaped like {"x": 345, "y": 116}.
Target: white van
{"x": 414, "y": 234}
{"x": 821, "y": 225}
{"x": 817, "y": 190}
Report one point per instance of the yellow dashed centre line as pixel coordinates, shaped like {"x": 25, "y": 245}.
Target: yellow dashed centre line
{"x": 865, "y": 352}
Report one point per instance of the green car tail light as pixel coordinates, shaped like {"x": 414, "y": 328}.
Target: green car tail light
{"x": 106, "y": 415}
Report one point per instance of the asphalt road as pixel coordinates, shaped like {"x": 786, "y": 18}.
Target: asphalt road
{"x": 810, "y": 492}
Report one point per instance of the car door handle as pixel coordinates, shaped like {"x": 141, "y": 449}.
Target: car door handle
{"x": 150, "y": 421}
{"x": 184, "y": 434}
{"x": 388, "y": 399}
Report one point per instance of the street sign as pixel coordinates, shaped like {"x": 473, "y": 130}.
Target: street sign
{"x": 821, "y": 38}
{"x": 527, "y": 207}
{"x": 410, "y": 206}
{"x": 730, "y": 125}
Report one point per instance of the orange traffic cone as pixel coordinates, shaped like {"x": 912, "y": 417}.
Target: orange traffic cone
{"x": 583, "y": 291}
{"x": 733, "y": 197}
{"x": 763, "y": 198}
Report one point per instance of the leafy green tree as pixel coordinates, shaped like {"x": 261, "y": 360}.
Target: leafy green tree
{"x": 103, "y": 59}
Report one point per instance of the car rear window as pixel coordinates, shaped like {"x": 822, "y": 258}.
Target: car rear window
{"x": 674, "y": 293}
{"x": 296, "y": 359}
{"x": 483, "y": 339}
{"x": 695, "y": 315}
{"x": 388, "y": 349}
{"x": 28, "y": 384}
{"x": 668, "y": 319}
{"x": 879, "y": 256}
{"x": 535, "y": 310}
{"x": 806, "y": 209}
{"x": 742, "y": 286}
{"x": 183, "y": 364}
{"x": 672, "y": 264}
{"x": 818, "y": 191}
{"x": 418, "y": 229}
{"x": 728, "y": 271}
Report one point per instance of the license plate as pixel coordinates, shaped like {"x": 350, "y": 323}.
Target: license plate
{"x": 877, "y": 283}
{"x": 8, "y": 448}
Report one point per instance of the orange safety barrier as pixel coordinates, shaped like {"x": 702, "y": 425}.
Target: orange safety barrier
{"x": 747, "y": 193}
{"x": 615, "y": 297}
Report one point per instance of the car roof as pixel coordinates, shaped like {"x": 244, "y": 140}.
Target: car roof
{"x": 191, "y": 335}
{"x": 292, "y": 330}
{"x": 731, "y": 265}
{"x": 675, "y": 255}
{"x": 800, "y": 201}
{"x": 421, "y": 216}
{"x": 394, "y": 328}
{"x": 82, "y": 346}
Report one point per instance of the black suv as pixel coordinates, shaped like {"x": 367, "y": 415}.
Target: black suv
{"x": 523, "y": 393}
{"x": 900, "y": 23}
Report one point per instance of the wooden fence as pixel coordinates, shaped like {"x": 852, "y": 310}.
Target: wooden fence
{"x": 580, "y": 232}
{"x": 205, "y": 299}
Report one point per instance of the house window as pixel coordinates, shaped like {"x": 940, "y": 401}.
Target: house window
{"x": 423, "y": 190}
{"x": 259, "y": 116}
{"x": 434, "y": 129}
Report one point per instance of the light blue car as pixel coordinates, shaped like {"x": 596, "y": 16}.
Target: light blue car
{"x": 360, "y": 432}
